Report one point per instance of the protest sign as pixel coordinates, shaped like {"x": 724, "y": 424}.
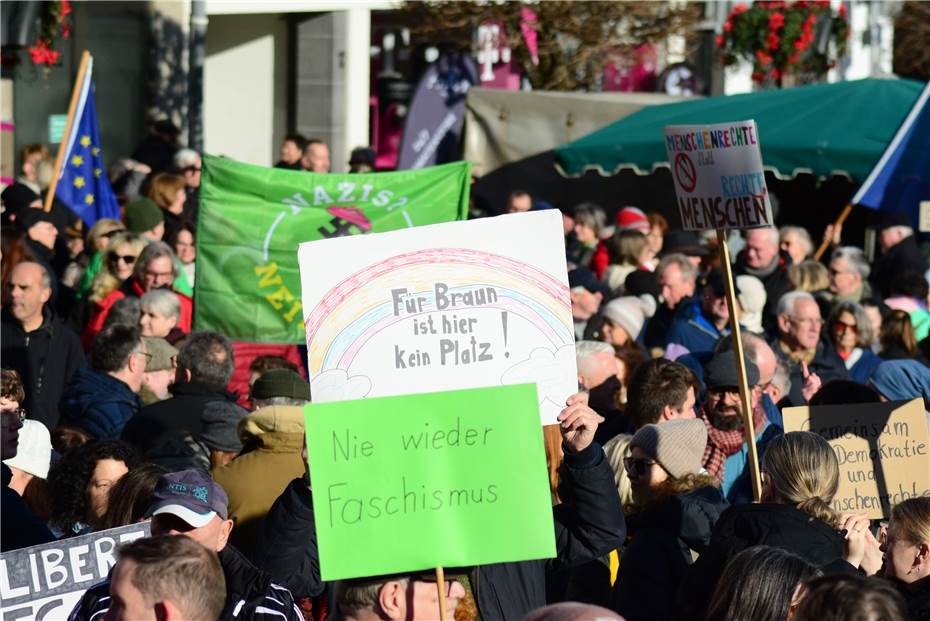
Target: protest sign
{"x": 719, "y": 181}
{"x": 45, "y": 582}
{"x": 882, "y": 449}
{"x": 252, "y": 218}
{"x": 443, "y": 307}
{"x": 430, "y": 480}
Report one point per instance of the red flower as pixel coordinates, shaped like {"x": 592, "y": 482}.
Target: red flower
{"x": 764, "y": 59}
{"x": 794, "y": 58}
{"x": 843, "y": 11}
{"x": 823, "y": 4}
{"x": 776, "y": 74}
{"x": 720, "y": 41}
{"x": 65, "y": 30}
{"x": 773, "y": 41}
{"x": 65, "y": 7}
{"x": 42, "y": 55}
{"x": 776, "y": 21}
{"x": 800, "y": 45}
{"x": 728, "y": 26}
{"x": 758, "y": 76}
{"x": 739, "y": 8}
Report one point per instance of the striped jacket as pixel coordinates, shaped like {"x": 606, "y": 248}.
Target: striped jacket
{"x": 250, "y": 595}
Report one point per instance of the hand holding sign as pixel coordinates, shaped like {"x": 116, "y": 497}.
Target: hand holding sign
{"x": 578, "y": 423}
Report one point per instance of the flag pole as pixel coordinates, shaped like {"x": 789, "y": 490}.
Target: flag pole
{"x": 839, "y": 222}
{"x": 60, "y": 156}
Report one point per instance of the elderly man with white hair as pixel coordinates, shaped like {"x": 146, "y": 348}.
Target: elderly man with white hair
{"x": 763, "y": 259}
{"x": 899, "y": 252}
{"x": 598, "y": 373}
{"x": 811, "y": 359}
{"x": 849, "y": 275}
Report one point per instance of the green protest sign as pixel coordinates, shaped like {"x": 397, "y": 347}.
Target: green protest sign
{"x": 252, "y": 218}
{"x": 444, "y": 479}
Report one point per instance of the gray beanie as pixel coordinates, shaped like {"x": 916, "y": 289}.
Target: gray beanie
{"x": 220, "y": 421}
{"x": 678, "y": 445}
{"x": 630, "y": 313}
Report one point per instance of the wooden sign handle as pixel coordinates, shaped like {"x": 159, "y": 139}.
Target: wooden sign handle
{"x": 441, "y": 590}
{"x": 754, "y": 473}
{"x": 839, "y": 222}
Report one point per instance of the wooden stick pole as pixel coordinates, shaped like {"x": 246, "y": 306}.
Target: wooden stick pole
{"x": 59, "y": 158}
{"x": 441, "y": 589}
{"x": 754, "y": 473}
{"x": 839, "y": 222}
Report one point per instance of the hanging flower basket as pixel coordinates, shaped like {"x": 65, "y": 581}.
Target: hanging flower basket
{"x": 53, "y": 25}
{"x": 781, "y": 38}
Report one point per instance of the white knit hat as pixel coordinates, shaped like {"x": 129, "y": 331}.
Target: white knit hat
{"x": 34, "y": 451}
{"x": 630, "y": 312}
{"x": 752, "y": 298}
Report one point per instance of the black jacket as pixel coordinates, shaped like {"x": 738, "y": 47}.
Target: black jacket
{"x": 588, "y": 525}
{"x": 163, "y": 422}
{"x": 46, "y": 359}
{"x": 904, "y": 256}
{"x": 917, "y": 597}
{"x": 19, "y": 527}
{"x": 744, "y": 526}
{"x": 250, "y": 594}
{"x": 658, "y": 554}
{"x": 827, "y": 364}
{"x": 776, "y": 285}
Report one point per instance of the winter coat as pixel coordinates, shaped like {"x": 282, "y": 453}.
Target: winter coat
{"x": 776, "y": 285}
{"x": 662, "y": 542}
{"x": 588, "y": 525}
{"x": 862, "y": 369}
{"x": 99, "y": 404}
{"x": 744, "y": 526}
{"x": 130, "y": 288}
{"x": 904, "y": 256}
{"x": 46, "y": 359}
{"x": 826, "y": 363}
{"x": 692, "y": 333}
{"x": 917, "y": 597}
{"x": 250, "y": 595}
{"x": 272, "y": 440}
{"x": 19, "y": 527}
{"x": 169, "y": 421}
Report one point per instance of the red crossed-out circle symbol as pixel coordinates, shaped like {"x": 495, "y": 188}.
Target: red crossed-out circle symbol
{"x": 685, "y": 173}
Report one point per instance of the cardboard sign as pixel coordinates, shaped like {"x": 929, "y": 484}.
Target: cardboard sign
{"x": 882, "y": 449}
{"x": 430, "y": 480}
{"x": 441, "y": 307}
{"x": 718, "y": 176}
{"x": 47, "y": 581}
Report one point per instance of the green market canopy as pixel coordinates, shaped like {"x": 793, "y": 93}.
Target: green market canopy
{"x": 823, "y": 129}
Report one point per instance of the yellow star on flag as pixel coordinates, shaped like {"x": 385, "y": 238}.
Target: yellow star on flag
{"x": 95, "y": 151}
{"x": 79, "y": 182}
{"x": 89, "y": 199}
{"x": 77, "y": 160}
{"x": 97, "y": 172}
{"x": 85, "y": 141}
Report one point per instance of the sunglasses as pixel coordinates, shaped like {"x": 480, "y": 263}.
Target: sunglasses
{"x": 637, "y": 466}
{"x": 839, "y": 326}
{"x": 128, "y": 259}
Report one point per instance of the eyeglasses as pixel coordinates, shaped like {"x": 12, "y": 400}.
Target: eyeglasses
{"x": 841, "y": 327}
{"x": 637, "y": 466}
{"x": 128, "y": 259}
{"x": 807, "y": 321}
{"x": 191, "y": 169}
{"x": 158, "y": 274}
{"x": 832, "y": 272}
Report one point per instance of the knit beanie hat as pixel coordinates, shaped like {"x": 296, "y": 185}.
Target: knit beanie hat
{"x": 162, "y": 353}
{"x": 143, "y": 215}
{"x": 678, "y": 445}
{"x": 721, "y": 371}
{"x": 220, "y": 421}
{"x": 633, "y": 219}
{"x": 630, "y": 313}
{"x": 752, "y": 298}
{"x": 281, "y": 383}
{"x": 34, "y": 451}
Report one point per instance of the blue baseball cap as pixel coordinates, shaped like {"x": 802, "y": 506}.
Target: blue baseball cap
{"x": 190, "y": 495}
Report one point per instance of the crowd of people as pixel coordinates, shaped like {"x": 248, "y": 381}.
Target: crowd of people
{"x": 115, "y": 412}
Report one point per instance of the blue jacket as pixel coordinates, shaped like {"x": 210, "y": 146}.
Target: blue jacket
{"x": 693, "y": 332}
{"x": 99, "y": 404}
{"x": 862, "y": 371}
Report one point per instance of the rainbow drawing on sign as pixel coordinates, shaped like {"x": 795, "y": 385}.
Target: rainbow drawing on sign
{"x": 358, "y": 308}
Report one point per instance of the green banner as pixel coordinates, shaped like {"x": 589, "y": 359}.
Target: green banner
{"x": 443, "y": 479}
{"x": 252, "y": 218}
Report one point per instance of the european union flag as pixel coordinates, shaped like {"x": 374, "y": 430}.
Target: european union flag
{"x": 83, "y": 185}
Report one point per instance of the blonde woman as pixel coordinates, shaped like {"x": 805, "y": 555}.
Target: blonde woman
{"x": 117, "y": 266}
{"x": 800, "y": 476}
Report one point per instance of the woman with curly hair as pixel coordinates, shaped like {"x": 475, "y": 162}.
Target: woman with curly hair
{"x": 79, "y": 484}
{"x": 674, "y": 507}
